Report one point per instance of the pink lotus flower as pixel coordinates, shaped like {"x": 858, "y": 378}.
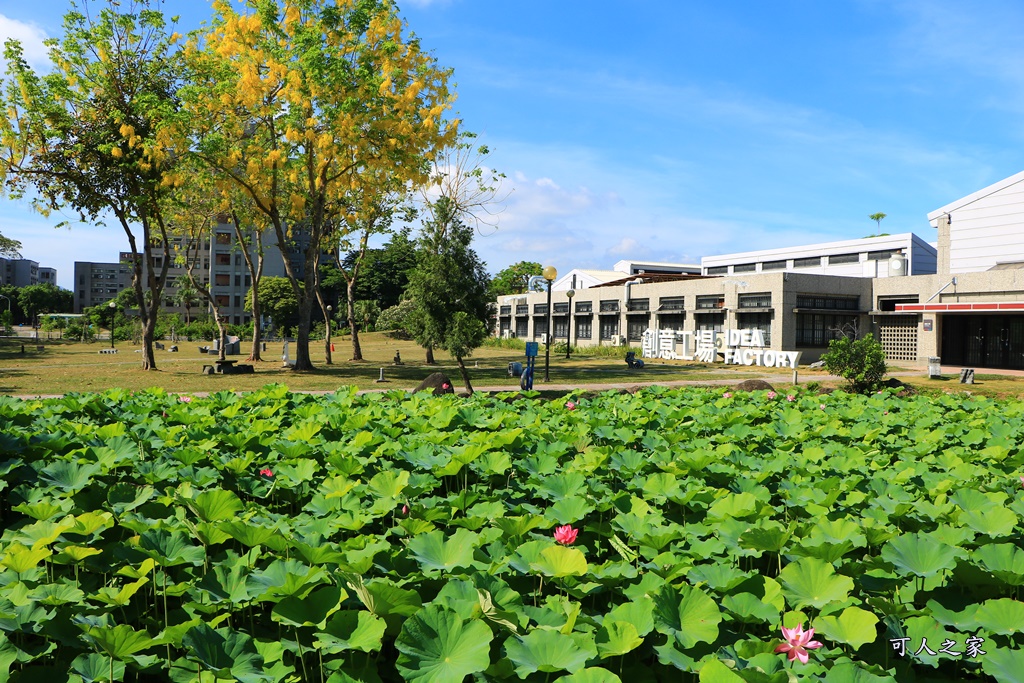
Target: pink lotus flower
{"x": 1022, "y": 481}
{"x": 566, "y": 535}
{"x": 185, "y": 399}
{"x": 446, "y": 386}
{"x": 405, "y": 509}
{"x": 797, "y": 643}
{"x": 790, "y": 397}
{"x": 885, "y": 413}
{"x": 822, "y": 406}
{"x": 771, "y": 394}
{"x": 265, "y": 472}
{"x": 569, "y": 405}
{"x": 727, "y": 394}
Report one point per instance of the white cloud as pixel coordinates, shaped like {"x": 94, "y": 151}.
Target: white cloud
{"x": 31, "y": 38}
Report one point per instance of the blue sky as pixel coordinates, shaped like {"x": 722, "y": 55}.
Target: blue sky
{"x": 674, "y": 130}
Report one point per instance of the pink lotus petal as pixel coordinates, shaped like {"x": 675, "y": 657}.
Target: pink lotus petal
{"x": 566, "y": 535}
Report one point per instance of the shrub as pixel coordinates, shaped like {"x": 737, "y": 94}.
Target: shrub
{"x": 860, "y": 362}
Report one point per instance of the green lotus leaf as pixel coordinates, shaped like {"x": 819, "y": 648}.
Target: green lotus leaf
{"x": 351, "y": 630}
{"x": 919, "y": 554}
{"x": 436, "y": 646}
{"x": 853, "y": 627}
{"x": 928, "y": 630}
{"x": 75, "y": 553}
{"x": 616, "y": 638}
{"x": 45, "y": 509}
{"x": 283, "y": 579}
{"x": 384, "y": 598}
{"x": 20, "y": 559}
{"x": 111, "y": 595}
{"x": 639, "y": 613}
{"x": 124, "y": 497}
{"x": 389, "y": 484}
{"x": 228, "y": 654}
{"x": 70, "y": 477}
{"x": 119, "y": 641}
{"x": 253, "y": 535}
{"x": 95, "y": 667}
{"x": 1004, "y": 665}
{"x": 996, "y": 521}
{"x": 714, "y": 671}
{"x": 734, "y": 505}
{"x": 311, "y": 610}
{"x": 687, "y": 614}
{"x": 750, "y": 609}
{"x": 41, "y": 534}
{"x": 568, "y": 510}
{"x": 547, "y": 651}
{"x": 563, "y": 485}
{"x": 766, "y": 535}
{"x": 849, "y": 672}
{"x": 436, "y": 553}
{"x": 590, "y": 675}
{"x": 810, "y": 581}
{"x": 170, "y": 548}
{"x": 56, "y": 594}
{"x": 1003, "y": 616}
{"x": 89, "y": 523}
{"x": 1004, "y": 560}
{"x": 559, "y": 561}
{"x": 216, "y": 505}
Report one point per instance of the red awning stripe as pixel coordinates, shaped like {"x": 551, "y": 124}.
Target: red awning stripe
{"x": 940, "y": 308}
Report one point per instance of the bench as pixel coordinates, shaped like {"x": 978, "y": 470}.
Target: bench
{"x": 108, "y": 350}
{"x": 40, "y": 348}
{"x": 228, "y": 367}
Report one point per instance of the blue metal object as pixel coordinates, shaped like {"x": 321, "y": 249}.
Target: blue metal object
{"x": 526, "y": 382}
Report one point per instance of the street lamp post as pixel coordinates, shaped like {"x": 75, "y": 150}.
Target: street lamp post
{"x": 113, "y": 312}
{"x": 549, "y": 274}
{"x": 329, "y": 309}
{"x": 568, "y": 333}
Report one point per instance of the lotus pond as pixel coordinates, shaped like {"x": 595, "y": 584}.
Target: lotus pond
{"x": 663, "y": 536}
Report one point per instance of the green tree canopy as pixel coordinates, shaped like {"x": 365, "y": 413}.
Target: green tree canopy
{"x": 35, "y": 299}
{"x": 449, "y": 288}
{"x": 277, "y": 299}
{"x": 385, "y": 272}
{"x": 513, "y": 280}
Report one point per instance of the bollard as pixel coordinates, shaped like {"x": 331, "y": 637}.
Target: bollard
{"x": 23, "y": 349}
{"x": 332, "y": 348}
{"x": 381, "y": 378}
{"x": 795, "y": 381}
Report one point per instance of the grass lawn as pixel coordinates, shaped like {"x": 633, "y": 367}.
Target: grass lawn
{"x": 67, "y": 366}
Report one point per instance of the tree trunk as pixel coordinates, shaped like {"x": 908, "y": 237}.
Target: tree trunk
{"x": 327, "y": 319}
{"x": 350, "y": 295}
{"x": 430, "y": 356}
{"x": 257, "y": 331}
{"x": 302, "y": 360}
{"x": 465, "y": 375}
{"x": 223, "y": 330}
{"x": 148, "y": 333}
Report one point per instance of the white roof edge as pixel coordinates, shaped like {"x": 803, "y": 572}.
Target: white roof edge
{"x": 840, "y": 244}
{"x": 975, "y": 196}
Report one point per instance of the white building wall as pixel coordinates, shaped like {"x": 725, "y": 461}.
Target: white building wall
{"x": 986, "y": 227}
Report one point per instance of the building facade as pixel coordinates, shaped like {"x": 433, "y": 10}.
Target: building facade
{"x": 23, "y": 272}
{"x": 960, "y": 298}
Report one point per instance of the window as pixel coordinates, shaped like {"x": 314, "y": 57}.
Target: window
{"x": 638, "y": 305}
{"x": 522, "y": 327}
{"x": 755, "y": 300}
{"x": 710, "y": 302}
{"x": 562, "y": 307}
{"x": 609, "y": 327}
{"x": 718, "y": 270}
{"x": 672, "y": 321}
{"x": 223, "y": 238}
{"x": 523, "y": 309}
{"x": 610, "y": 306}
{"x": 223, "y": 299}
{"x": 713, "y": 321}
{"x": 248, "y": 281}
{"x": 561, "y": 328}
{"x": 838, "y": 259}
{"x": 583, "y": 328}
{"x": 883, "y": 255}
{"x": 635, "y": 326}
{"x": 540, "y": 309}
{"x": 540, "y": 326}
{"x": 238, "y": 302}
{"x": 505, "y": 310}
{"x": 889, "y": 303}
{"x": 672, "y": 303}
{"x": 222, "y": 279}
{"x": 238, "y": 259}
{"x": 745, "y": 268}
{"x": 81, "y": 279}
{"x": 757, "y": 321}
{"x": 811, "y": 262}
{"x": 584, "y": 307}
{"x": 839, "y": 303}
{"x": 238, "y": 281}
{"x": 818, "y": 329}
{"x": 223, "y": 259}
